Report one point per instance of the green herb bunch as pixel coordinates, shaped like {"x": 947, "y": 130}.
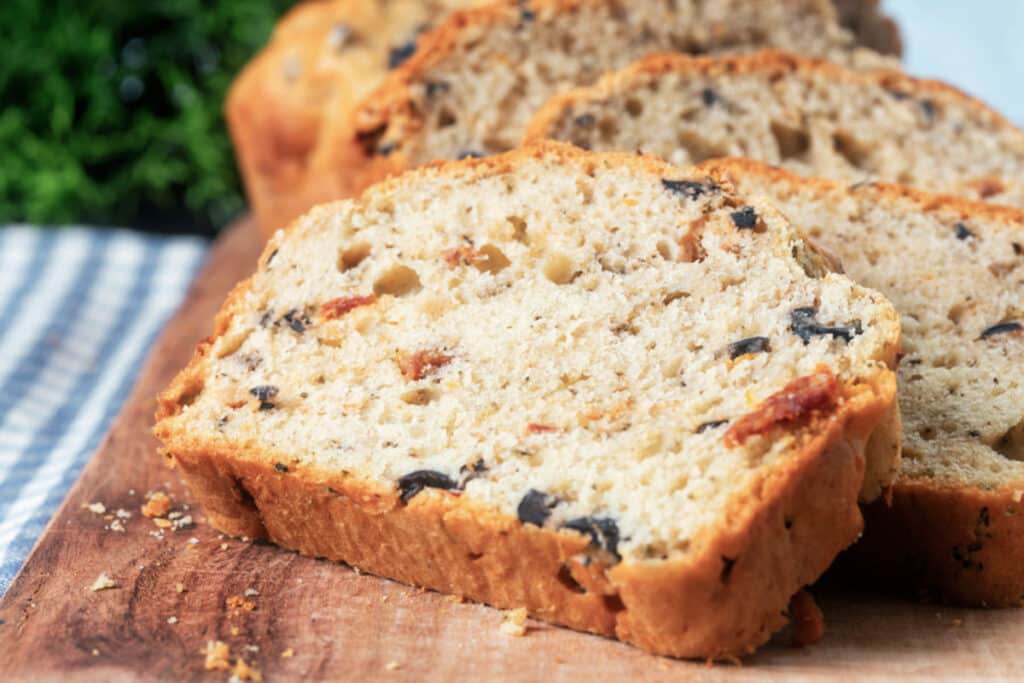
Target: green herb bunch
{"x": 111, "y": 111}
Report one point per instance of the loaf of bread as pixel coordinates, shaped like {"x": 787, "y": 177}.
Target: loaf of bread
{"x": 321, "y": 60}
{"x": 594, "y": 386}
{"x": 482, "y": 75}
{"x": 807, "y": 115}
{"x": 955, "y": 271}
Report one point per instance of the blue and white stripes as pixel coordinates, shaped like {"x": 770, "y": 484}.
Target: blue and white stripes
{"x": 79, "y": 308}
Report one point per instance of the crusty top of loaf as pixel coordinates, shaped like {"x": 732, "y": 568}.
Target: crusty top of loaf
{"x": 596, "y": 337}
{"x": 476, "y": 79}
{"x": 322, "y": 59}
{"x": 813, "y": 117}
{"x": 955, "y": 271}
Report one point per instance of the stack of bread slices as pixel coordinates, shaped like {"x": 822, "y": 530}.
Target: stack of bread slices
{"x": 536, "y": 358}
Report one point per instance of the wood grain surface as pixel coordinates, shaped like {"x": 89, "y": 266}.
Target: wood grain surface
{"x": 342, "y": 625}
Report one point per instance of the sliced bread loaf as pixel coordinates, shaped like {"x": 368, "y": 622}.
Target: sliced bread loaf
{"x": 322, "y": 59}
{"x": 809, "y": 116}
{"x": 955, "y": 271}
{"x": 594, "y": 386}
{"x": 477, "y": 78}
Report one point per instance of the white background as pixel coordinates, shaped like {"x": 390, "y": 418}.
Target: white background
{"x": 976, "y": 45}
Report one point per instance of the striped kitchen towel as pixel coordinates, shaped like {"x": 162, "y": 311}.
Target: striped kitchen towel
{"x": 79, "y": 308}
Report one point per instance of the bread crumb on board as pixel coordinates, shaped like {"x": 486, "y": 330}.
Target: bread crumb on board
{"x": 102, "y": 582}
{"x": 218, "y": 656}
{"x": 237, "y": 601}
{"x": 157, "y": 504}
{"x": 244, "y": 672}
{"x": 288, "y": 653}
{"x": 514, "y": 623}
{"x": 808, "y": 624}
{"x": 392, "y": 665}
{"x": 96, "y": 508}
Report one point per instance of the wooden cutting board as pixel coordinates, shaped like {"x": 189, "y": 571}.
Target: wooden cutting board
{"x": 173, "y": 589}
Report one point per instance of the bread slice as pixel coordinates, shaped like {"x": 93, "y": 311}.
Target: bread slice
{"x": 955, "y": 271}
{"x": 478, "y": 77}
{"x": 593, "y": 386}
{"x": 807, "y": 115}
{"x": 322, "y": 59}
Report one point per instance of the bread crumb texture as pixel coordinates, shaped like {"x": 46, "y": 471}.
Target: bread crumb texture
{"x": 808, "y": 116}
{"x": 585, "y": 385}
{"x": 479, "y": 77}
{"x": 595, "y": 352}
{"x": 955, "y": 272}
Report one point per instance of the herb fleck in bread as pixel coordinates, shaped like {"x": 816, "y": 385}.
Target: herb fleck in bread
{"x": 322, "y": 59}
{"x": 477, "y": 78}
{"x": 955, "y": 271}
{"x": 809, "y": 116}
{"x": 595, "y": 386}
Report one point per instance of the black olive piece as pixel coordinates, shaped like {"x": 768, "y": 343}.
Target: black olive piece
{"x": 265, "y": 393}
{"x": 928, "y": 107}
{"x": 437, "y": 88}
{"x": 1017, "y": 248}
{"x": 689, "y": 188}
{"x": 962, "y": 232}
{"x": 748, "y": 345}
{"x": 386, "y": 148}
{"x": 280, "y": 467}
{"x": 270, "y": 258}
{"x": 399, "y": 54}
{"x": 602, "y": 531}
{"x": 535, "y": 507}
{"x": 296, "y": 321}
{"x": 804, "y": 324}
{"x": 414, "y": 482}
{"x": 585, "y": 120}
{"x": 470, "y": 154}
{"x": 710, "y": 424}
{"x": 266, "y": 318}
{"x": 745, "y": 218}
{"x": 710, "y": 97}
{"x": 1001, "y": 328}
{"x": 526, "y": 15}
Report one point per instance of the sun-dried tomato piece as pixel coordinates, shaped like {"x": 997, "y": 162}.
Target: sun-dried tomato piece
{"x": 335, "y": 308}
{"x": 457, "y": 255}
{"x": 416, "y": 366}
{"x": 795, "y": 400}
{"x": 537, "y": 428}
